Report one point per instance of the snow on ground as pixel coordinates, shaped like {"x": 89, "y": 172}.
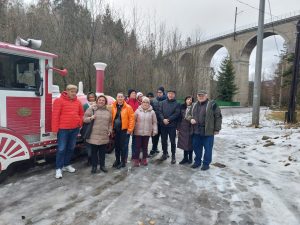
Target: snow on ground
{"x": 258, "y": 185}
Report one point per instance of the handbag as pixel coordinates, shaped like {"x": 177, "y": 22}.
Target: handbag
{"x": 86, "y": 129}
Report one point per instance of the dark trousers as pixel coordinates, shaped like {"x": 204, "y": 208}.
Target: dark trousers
{"x": 141, "y": 143}
{"x": 198, "y": 143}
{"x": 155, "y": 139}
{"x": 66, "y": 141}
{"x": 188, "y": 155}
{"x": 120, "y": 145}
{"x": 98, "y": 155}
{"x": 133, "y": 146}
{"x": 171, "y": 132}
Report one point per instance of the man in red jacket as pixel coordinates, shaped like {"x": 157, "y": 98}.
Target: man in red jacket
{"x": 67, "y": 117}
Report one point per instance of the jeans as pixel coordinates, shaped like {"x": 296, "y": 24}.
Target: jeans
{"x": 198, "y": 143}
{"x": 141, "y": 143}
{"x": 171, "y": 132}
{"x": 66, "y": 139}
{"x": 121, "y": 139}
{"x": 98, "y": 154}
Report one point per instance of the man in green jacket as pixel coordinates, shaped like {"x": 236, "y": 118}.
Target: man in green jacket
{"x": 206, "y": 119}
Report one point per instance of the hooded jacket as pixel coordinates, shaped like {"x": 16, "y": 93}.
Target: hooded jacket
{"x": 67, "y": 113}
{"x": 145, "y": 122}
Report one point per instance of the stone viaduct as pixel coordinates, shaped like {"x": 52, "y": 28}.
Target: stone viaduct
{"x": 191, "y": 65}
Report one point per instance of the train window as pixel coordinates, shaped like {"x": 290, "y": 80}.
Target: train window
{"x": 18, "y": 72}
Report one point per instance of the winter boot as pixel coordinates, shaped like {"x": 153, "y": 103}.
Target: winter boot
{"x": 173, "y": 160}
{"x": 136, "y": 162}
{"x": 144, "y": 162}
{"x": 94, "y": 169}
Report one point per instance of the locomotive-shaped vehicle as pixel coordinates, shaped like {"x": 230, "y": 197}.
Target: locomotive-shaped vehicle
{"x": 26, "y": 96}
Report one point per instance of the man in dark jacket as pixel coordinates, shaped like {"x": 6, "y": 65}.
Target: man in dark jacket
{"x": 160, "y": 96}
{"x": 206, "y": 119}
{"x": 168, "y": 114}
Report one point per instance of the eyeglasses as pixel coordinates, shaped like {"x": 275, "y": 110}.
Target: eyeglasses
{"x": 160, "y": 92}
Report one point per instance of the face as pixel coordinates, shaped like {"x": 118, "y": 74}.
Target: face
{"x": 101, "y": 101}
{"x": 133, "y": 95}
{"x": 159, "y": 93}
{"x": 91, "y": 98}
{"x": 72, "y": 93}
{"x": 120, "y": 99}
{"x": 145, "y": 104}
{"x": 202, "y": 98}
{"x": 171, "y": 95}
{"x": 140, "y": 98}
{"x": 188, "y": 101}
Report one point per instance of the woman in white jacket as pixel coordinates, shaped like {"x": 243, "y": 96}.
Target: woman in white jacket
{"x": 145, "y": 126}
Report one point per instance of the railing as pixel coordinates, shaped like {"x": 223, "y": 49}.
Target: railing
{"x": 274, "y": 19}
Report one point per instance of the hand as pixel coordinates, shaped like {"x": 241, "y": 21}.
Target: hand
{"x": 216, "y": 132}
{"x": 109, "y": 133}
{"x": 193, "y": 121}
{"x": 92, "y": 117}
{"x": 166, "y": 121}
{"x": 153, "y": 134}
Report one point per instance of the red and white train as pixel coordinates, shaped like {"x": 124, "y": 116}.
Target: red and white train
{"x": 26, "y": 94}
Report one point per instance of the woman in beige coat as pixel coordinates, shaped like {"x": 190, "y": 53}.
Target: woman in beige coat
{"x": 101, "y": 131}
{"x": 145, "y": 126}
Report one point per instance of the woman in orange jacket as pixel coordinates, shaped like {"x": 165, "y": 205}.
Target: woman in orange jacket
{"x": 123, "y": 125}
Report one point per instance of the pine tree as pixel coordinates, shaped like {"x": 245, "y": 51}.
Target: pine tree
{"x": 226, "y": 87}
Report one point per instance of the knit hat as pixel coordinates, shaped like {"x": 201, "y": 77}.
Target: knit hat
{"x": 161, "y": 89}
{"x": 130, "y": 91}
{"x": 139, "y": 94}
{"x": 150, "y": 95}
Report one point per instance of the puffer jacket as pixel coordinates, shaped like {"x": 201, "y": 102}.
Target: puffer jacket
{"x": 145, "y": 122}
{"x": 127, "y": 116}
{"x": 102, "y": 125}
{"x": 134, "y": 103}
{"x": 67, "y": 113}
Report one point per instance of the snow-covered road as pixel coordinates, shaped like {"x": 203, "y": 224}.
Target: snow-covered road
{"x": 258, "y": 185}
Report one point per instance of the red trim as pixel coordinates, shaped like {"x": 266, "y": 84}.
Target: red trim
{"x": 8, "y": 131}
{"x": 43, "y": 143}
{"x": 48, "y": 102}
{"x": 26, "y": 50}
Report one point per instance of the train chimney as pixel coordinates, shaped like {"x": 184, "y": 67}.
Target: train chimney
{"x": 100, "y": 67}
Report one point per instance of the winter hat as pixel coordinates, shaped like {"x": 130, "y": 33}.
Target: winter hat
{"x": 161, "y": 89}
{"x": 150, "y": 95}
{"x": 202, "y": 92}
{"x": 171, "y": 90}
{"x": 139, "y": 94}
{"x": 130, "y": 91}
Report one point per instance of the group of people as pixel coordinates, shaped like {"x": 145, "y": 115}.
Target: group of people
{"x": 140, "y": 117}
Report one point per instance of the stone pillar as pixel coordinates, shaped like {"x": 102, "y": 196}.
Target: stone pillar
{"x": 241, "y": 68}
{"x": 202, "y": 79}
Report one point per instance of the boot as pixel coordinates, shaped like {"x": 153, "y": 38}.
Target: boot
{"x": 94, "y": 169}
{"x": 144, "y": 162}
{"x": 205, "y": 167}
{"x": 183, "y": 161}
{"x": 136, "y": 162}
{"x": 173, "y": 160}
{"x": 103, "y": 169}
{"x": 190, "y": 157}
{"x": 163, "y": 157}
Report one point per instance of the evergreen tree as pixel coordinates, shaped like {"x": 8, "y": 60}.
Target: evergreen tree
{"x": 226, "y": 87}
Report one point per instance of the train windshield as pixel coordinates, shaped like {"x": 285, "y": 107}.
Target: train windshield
{"x": 18, "y": 72}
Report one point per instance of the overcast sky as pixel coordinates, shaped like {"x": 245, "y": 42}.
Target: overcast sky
{"x": 210, "y": 17}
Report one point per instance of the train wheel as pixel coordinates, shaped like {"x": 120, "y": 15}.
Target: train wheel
{"x": 13, "y": 148}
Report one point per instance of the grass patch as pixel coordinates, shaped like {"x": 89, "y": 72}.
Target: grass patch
{"x": 280, "y": 115}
